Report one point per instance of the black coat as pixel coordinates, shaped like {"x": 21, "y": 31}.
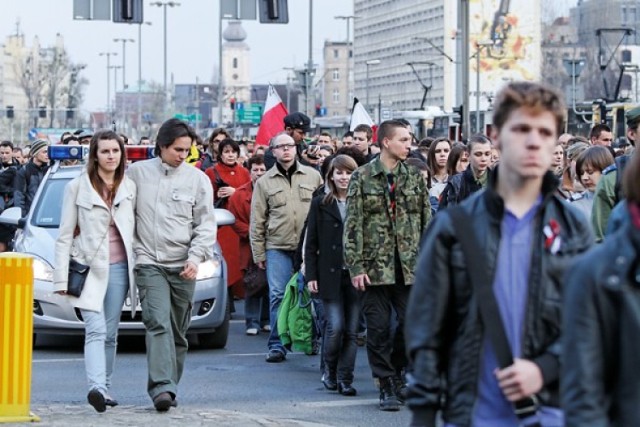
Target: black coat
{"x": 458, "y": 188}
{"x": 323, "y": 257}
{"x": 600, "y": 380}
{"x": 445, "y": 335}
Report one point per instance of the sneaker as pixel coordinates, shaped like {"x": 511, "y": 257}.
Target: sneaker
{"x": 329, "y": 380}
{"x": 252, "y": 331}
{"x": 97, "y": 400}
{"x": 400, "y": 387}
{"x": 275, "y": 356}
{"x": 266, "y": 328}
{"x": 388, "y": 398}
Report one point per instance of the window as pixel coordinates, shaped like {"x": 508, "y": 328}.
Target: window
{"x": 336, "y": 96}
{"x": 235, "y": 62}
{"x": 336, "y": 75}
{"x": 336, "y": 54}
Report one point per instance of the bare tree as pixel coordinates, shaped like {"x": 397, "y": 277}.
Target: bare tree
{"x": 31, "y": 77}
{"x": 57, "y": 68}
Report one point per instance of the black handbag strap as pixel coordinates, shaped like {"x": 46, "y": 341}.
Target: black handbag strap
{"x": 487, "y": 304}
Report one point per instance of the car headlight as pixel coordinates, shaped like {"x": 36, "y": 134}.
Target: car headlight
{"x": 209, "y": 269}
{"x": 42, "y": 270}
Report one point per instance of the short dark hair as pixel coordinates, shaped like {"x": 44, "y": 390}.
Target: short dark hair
{"x": 364, "y": 128}
{"x": 347, "y": 134}
{"x": 216, "y": 132}
{"x": 325, "y": 133}
{"x": 387, "y": 129}
{"x": 258, "y": 159}
{"x": 598, "y": 129}
{"x": 535, "y": 97}
{"x": 7, "y": 144}
{"x": 171, "y": 130}
{"x": 477, "y": 139}
{"x": 596, "y": 156}
{"x": 227, "y": 142}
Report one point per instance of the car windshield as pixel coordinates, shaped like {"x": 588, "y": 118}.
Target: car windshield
{"x": 49, "y": 207}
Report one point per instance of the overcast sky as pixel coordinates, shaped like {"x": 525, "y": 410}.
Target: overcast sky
{"x": 192, "y": 40}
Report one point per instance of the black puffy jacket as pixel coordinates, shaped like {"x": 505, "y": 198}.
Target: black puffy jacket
{"x": 26, "y": 183}
{"x": 600, "y": 379}
{"x": 443, "y": 332}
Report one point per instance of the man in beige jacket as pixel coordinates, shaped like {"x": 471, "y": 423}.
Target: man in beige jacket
{"x": 279, "y": 207}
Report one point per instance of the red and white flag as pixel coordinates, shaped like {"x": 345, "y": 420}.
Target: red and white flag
{"x": 272, "y": 121}
{"x": 359, "y": 116}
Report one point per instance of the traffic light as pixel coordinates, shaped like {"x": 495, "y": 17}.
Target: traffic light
{"x": 42, "y": 112}
{"x": 9, "y": 111}
{"x": 127, "y": 11}
{"x": 460, "y": 114}
{"x": 273, "y": 11}
{"x": 232, "y": 103}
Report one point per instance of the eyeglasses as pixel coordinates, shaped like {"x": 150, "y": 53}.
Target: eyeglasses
{"x": 285, "y": 146}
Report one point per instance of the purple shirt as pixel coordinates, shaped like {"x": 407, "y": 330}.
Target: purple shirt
{"x": 510, "y": 287}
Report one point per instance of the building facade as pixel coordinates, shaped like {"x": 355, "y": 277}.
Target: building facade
{"x": 337, "y": 94}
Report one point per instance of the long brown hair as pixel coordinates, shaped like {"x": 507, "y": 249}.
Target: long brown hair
{"x": 92, "y": 165}
{"x": 344, "y": 163}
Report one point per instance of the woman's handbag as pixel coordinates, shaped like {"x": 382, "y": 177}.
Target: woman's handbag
{"x": 255, "y": 280}
{"x": 77, "y": 275}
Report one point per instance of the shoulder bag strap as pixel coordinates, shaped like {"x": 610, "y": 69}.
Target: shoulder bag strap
{"x": 487, "y": 304}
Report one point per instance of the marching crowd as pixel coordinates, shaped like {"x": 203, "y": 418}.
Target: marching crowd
{"x": 471, "y": 266}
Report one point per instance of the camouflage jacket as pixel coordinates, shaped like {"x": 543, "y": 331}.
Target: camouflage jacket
{"x": 371, "y": 234}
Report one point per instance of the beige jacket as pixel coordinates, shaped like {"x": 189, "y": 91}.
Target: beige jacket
{"x": 83, "y": 206}
{"x": 175, "y": 221}
{"x": 279, "y": 209}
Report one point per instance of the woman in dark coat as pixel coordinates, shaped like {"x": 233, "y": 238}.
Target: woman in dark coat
{"x": 329, "y": 279}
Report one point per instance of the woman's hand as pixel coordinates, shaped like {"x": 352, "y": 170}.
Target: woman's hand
{"x": 225, "y": 192}
{"x": 63, "y": 292}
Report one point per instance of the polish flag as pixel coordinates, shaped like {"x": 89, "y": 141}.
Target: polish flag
{"x": 359, "y": 116}
{"x": 272, "y": 121}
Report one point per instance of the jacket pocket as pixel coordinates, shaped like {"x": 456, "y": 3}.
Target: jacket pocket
{"x": 276, "y": 198}
{"x": 306, "y": 192}
{"x": 374, "y": 201}
{"x": 182, "y": 205}
{"x": 411, "y": 200}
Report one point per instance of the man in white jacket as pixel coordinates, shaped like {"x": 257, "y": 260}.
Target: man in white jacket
{"x": 175, "y": 232}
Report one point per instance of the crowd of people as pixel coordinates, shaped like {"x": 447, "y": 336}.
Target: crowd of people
{"x": 472, "y": 266}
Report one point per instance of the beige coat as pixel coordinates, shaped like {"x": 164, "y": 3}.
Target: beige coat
{"x": 83, "y": 206}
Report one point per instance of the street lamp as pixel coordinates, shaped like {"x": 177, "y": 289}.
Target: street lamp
{"x": 368, "y": 63}
{"x": 115, "y": 69}
{"x": 124, "y": 76}
{"x": 140, "y": 72}
{"x": 479, "y": 46}
{"x": 348, "y": 18}
{"x": 164, "y": 5}
{"x": 108, "y": 55}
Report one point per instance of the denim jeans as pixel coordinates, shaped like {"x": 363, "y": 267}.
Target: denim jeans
{"x": 256, "y": 309}
{"x": 101, "y": 330}
{"x": 279, "y": 271}
{"x": 165, "y": 298}
{"x": 341, "y": 316}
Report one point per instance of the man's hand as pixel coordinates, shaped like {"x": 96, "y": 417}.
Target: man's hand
{"x": 360, "y": 281}
{"x": 520, "y": 380}
{"x": 313, "y": 286}
{"x": 190, "y": 271}
{"x": 261, "y": 265}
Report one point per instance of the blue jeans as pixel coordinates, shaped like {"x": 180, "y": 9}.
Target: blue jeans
{"x": 101, "y": 330}
{"x": 341, "y": 315}
{"x": 279, "y": 271}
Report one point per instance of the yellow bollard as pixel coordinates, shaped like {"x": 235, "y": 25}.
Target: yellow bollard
{"x": 16, "y": 335}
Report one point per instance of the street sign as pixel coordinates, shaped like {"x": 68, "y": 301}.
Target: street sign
{"x": 238, "y": 9}
{"x": 193, "y": 117}
{"x": 251, "y": 113}
{"x": 96, "y": 10}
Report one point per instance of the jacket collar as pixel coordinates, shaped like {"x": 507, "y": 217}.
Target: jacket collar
{"x": 495, "y": 203}
{"x": 166, "y": 169}
{"x": 89, "y": 194}
{"x": 377, "y": 168}
{"x": 331, "y": 208}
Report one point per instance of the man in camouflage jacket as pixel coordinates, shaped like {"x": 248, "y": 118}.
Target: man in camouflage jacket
{"x": 387, "y": 211}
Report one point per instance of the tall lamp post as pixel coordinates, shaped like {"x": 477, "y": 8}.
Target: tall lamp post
{"x": 368, "y": 63}
{"x": 164, "y": 5}
{"x": 479, "y": 46}
{"x": 140, "y": 72}
{"x": 108, "y": 55}
{"x": 124, "y": 77}
{"x": 115, "y": 69}
{"x": 348, "y": 18}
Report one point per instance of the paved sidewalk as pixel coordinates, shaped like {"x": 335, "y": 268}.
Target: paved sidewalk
{"x": 135, "y": 416}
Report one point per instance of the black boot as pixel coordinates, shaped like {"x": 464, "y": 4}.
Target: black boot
{"x": 329, "y": 379}
{"x": 388, "y": 397}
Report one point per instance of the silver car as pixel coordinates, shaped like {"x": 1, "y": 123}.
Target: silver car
{"x": 52, "y": 313}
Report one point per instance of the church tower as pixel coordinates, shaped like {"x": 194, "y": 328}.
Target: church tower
{"x": 235, "y": 68}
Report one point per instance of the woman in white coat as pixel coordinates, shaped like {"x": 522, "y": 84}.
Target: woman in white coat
{"x": 96, "y": 229}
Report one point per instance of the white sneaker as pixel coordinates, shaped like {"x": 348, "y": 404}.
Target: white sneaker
{"x": 266, "y": 328}
{"x": 252, "y": 331}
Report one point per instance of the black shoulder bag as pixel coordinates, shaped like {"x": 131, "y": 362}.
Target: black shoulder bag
{"x": 489, "y": 311}
{"x": 78, "y": 272}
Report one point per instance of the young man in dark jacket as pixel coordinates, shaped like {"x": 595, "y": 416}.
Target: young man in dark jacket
{"x": 29, "y": 177}
{"x": 526, "y": 238}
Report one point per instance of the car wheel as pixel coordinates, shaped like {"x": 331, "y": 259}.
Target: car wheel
{"x": 217, "y": 339}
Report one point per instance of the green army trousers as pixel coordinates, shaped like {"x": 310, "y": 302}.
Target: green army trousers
{"x": 165, "y": 298}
